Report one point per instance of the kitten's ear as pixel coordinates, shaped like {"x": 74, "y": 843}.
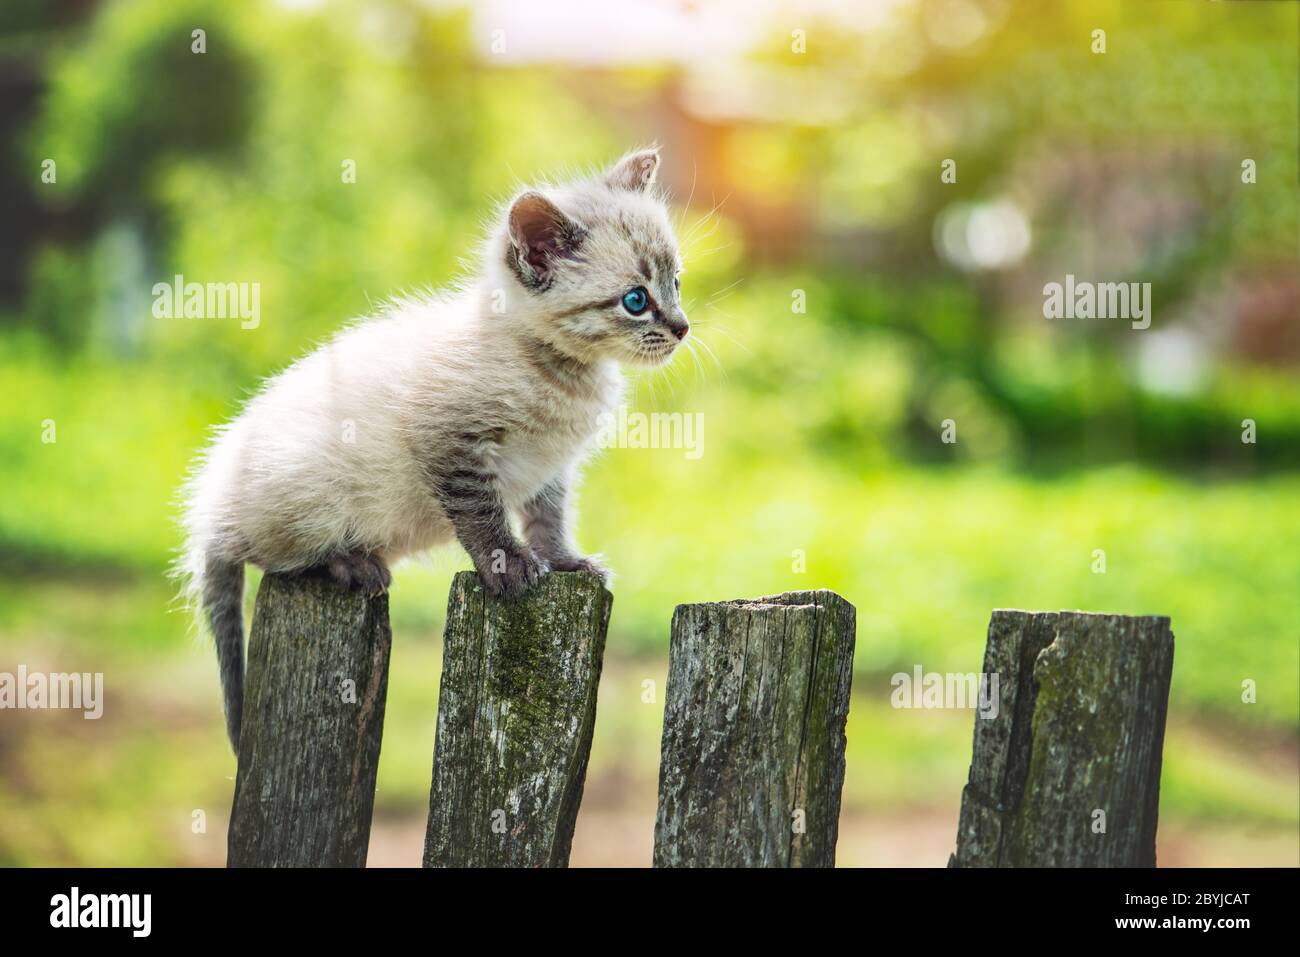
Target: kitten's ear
{"x": 540, "y": 234}
{"x": 635, "y": 171}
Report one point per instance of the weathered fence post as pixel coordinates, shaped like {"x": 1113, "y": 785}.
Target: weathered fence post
{"x": 753, "y": 745}
{"x": 1067, "y": 774}
{"x": 312, "y": 722}
{"x": 516, "y": 709}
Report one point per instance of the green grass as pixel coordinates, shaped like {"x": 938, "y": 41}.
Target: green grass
{"x": 788, "y": 479}
{"x": 924, "y": 554}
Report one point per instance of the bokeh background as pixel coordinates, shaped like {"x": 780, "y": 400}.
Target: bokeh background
{"x": 804, "y": 146}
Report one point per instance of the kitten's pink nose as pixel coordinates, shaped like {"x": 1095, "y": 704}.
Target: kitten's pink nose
{"x": 678, "y": 324}
{"x": 682, "y": 331}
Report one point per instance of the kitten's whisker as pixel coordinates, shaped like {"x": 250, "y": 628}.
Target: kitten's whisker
{"x": 730, "y": 337}
{"x": 712, "y": 355}
{"x": 715, "y": 223}
{"x": 715, "y": 249}
{"x": 722, "y": 312}
{"x": 723, "y": 330}
{"x": 695, "y": 175}
{"x": 643, "y": 378}
{"x": 654, "y": 393}
{"x": 670, "y": 375}
{"x": 711, "y": 214}
{"x": 695, "y": 227}
{"x": 718, "y": 206}
{"x": 695, "y": 359}
{"x": 725, "y": 291}
{"x": 666, "y": 375}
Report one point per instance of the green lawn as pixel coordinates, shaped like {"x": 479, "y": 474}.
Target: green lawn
{"x": 924, "y": 553}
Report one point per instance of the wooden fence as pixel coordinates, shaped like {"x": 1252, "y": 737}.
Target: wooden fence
{"x": 1064, "y": 771}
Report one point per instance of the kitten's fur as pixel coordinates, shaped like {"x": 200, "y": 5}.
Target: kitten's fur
{"x": 444, "y": 416}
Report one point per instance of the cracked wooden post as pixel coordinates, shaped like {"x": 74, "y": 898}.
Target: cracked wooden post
{"x": 1067, "y": 774}
{"x": 312, "y": 722}
{"x": 753, "y": 744}
{"x": 516, "y": 710}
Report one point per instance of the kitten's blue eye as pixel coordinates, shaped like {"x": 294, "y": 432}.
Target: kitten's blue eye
{"x": 636, "y": 300}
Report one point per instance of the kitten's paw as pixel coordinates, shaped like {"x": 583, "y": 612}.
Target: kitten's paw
{"x": 359, "y": 571}
{"x": 512, "y": 573}
{"x": 592, "y": 564}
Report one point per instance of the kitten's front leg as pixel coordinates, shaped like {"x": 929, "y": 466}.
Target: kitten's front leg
{"x": 546, "y": 526}
{"x": 467, "y": 490}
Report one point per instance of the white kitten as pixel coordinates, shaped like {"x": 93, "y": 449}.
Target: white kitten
{"x": 445, "y": 416}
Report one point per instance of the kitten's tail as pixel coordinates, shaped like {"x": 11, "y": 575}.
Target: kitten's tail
{"x": 223, "y": 603}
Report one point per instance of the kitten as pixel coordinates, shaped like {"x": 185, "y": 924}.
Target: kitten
{"x": 445, "y": 415}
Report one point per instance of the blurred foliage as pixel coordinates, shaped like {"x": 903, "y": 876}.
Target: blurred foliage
{"x": 816, "y": 173}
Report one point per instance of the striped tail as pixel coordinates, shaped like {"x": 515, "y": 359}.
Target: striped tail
{"x": 223, "y": 603}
